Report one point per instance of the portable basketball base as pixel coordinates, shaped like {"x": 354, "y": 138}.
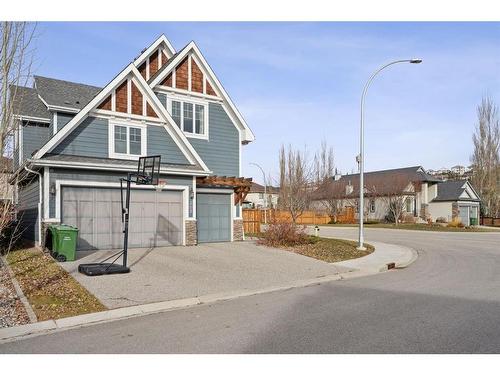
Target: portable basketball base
{"x": 148, "y": 171}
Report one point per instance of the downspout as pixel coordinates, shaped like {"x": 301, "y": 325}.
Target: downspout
{"x": 39, "y": 203}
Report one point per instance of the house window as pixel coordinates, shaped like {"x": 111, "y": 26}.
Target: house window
{"x": 176, "y": 113}
{"x": 190, "y": 117}
{"x": 127, "y": 141}
{"x": 409, "y": 205}
{"x": 261, "y": 195}
{"x": 372, "y": 205}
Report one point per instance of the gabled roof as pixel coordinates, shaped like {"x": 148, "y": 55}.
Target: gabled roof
{"x": 454, "y": 191}
{"x": 26, "y": 103}
{"x": 64, "y": 94}
{"x": 162, "y": 40}
{"x": 176, "y": 134}
{"x": 382, "y": 182}
{"x": 258, "y": 188}
{"x": 248, "y": 135}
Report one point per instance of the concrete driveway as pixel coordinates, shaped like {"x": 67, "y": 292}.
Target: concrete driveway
{"x": 169, "y": 273}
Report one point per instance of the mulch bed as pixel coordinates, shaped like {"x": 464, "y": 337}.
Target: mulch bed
{"x": 50, "y": 290}
{"x": 331, "y": 250}
{"x": 12, "y": 311}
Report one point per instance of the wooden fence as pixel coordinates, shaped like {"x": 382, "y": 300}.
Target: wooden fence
{"x": 252, "y": 218}
{"x": 490, "y": 221}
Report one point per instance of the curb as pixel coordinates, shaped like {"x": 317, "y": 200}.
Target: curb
{"x": 34, "y": 329}
{"x": 29, "y": 310}
{"x": 50, "y": 326}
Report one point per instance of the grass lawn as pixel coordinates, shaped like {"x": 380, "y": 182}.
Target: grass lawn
{"x": 50, "y": 290}
{"x": 329, "y": 250}
{"x": 425, "y": 227}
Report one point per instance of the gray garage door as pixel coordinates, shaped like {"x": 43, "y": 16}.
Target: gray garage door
{"x": 214, "y": 217}
{"x": 155, "y": 217}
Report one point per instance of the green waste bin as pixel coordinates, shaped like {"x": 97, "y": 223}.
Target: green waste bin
{"x": 64, "y": 239}
{"x": 473, "y": 221}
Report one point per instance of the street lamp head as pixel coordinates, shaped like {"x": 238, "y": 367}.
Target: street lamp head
{"x": 415, "y": 61}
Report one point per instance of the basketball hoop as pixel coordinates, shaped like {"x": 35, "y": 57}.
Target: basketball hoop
{"x": 148, "y": 173}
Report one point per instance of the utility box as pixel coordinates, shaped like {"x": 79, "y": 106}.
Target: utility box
{"x": 64, "y": 239}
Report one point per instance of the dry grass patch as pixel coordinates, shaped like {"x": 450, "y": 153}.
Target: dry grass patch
{"x": 50, "y": 290}
{"x": 331, "y": 250}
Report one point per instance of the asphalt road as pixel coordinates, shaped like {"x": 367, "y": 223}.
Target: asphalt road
{"x": 448, "y": 301}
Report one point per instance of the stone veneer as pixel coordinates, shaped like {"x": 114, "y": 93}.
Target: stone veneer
{"x": 191, "y": 233}
{"x": 238, "y": 230}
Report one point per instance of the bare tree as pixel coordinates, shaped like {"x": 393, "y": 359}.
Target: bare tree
{"x": 295, "y": 173}
{"x": 323, "y": 164}
{"x": 16, "y": 59}
{"x": 394, "y": 192}
{"x": 333, "y": 198}
{"x": 485, "y": 159}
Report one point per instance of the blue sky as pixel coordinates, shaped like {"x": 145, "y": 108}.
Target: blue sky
{"x": 300, "y": 83}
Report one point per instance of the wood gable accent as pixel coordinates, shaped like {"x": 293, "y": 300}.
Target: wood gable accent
{"x": 167, "y": 81}
{"x": 137, "y": 106}
{"x": 182, "y": 75}
{"x": 196, "y": 77}
{"x": 188, "y": 75}
{"x": 133, "y": 102}
{"x": 121, "y": 97}
{"x": 153, "y": 63}
{"x": 241, "y": 185}
{"x": 210, "y": 90}
{"x": 105, "y": 104}
{"x": 142, "y": 69}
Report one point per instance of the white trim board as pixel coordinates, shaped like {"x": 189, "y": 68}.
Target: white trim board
{"x": 113, "y": 167}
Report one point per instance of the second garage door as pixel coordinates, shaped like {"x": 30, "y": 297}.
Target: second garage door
{"x": 156, "y": 218}
{"x": 214, "y": 217}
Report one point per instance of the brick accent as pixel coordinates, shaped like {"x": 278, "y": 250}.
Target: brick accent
{"x": 153, "y": 63}
{"x": 150, "y": 111}
{"x": 181, "y": 75}
{"x": 121, "y": 97}
{"x": 237, "y": 230}
{"x": 210, "y": 90}
{"x": 196, "y": 77}
{"x": 454, "y": 210}
{"x": 191, "y": 233}
{"x": 136, "y": 100}
{"x": 142, "y": 70}
{"x": 167, "y": 81}
{"x": 105, "y": 104}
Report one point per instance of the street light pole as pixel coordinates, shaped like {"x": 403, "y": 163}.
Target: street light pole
{"x": 265, "y": 191}
{"x": 362, "y": 145}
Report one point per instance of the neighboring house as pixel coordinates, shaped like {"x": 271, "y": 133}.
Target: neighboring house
{"x": 75, "y": 141}
{"x": 422, "y": 195}
{"x": 256, "y": 198}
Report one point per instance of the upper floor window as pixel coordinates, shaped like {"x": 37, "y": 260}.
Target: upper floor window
{"x": 190, "y": 116}
{"x": 127, "y": 141}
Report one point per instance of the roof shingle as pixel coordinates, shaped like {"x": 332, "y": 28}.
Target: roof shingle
{"x": 60, "y": 93}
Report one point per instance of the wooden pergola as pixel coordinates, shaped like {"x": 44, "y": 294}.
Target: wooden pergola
{"x": 241, "y": 185}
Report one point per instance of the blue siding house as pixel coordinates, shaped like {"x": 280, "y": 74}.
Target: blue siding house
{"x": 74, "y": 142}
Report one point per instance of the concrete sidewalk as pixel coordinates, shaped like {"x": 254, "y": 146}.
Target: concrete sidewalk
{"x": 372, "y": 264}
